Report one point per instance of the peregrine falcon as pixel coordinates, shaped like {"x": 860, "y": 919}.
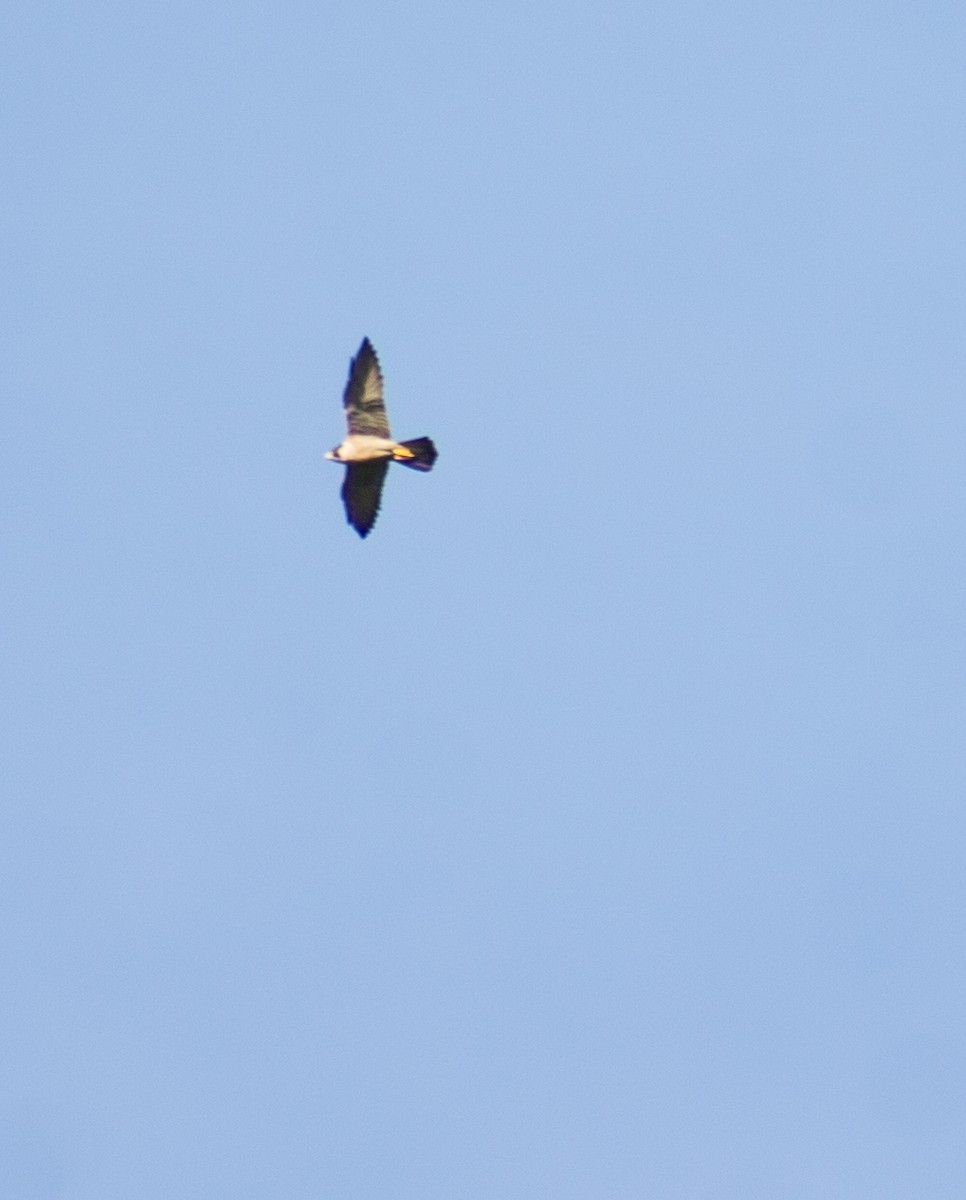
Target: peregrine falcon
{"x": 369, "y": 447}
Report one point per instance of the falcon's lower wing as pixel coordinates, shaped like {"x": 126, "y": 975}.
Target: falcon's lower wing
{"x": 361, "y": 492}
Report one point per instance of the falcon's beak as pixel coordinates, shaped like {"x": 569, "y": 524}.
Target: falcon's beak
{"x": 332, "y": 455}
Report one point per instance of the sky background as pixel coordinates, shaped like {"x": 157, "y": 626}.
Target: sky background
{"x": 595, "y": 830}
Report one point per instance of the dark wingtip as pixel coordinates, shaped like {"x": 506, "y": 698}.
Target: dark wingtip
{"x": 365, "y": 352}
{"x": 361, "y": 530}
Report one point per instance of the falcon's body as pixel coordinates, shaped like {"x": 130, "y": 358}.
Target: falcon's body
{"x": 368, "y": 448}
{"x": 362, "y": 447}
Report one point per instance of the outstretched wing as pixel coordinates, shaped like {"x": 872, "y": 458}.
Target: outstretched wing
{"x": 365, "y": 411}
{"x": 361, "y": 492}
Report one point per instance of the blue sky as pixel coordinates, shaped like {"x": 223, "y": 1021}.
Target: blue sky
{"x": 595, "y": 828}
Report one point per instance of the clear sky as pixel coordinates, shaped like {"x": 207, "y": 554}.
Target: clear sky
{"x": 594, "y": 830}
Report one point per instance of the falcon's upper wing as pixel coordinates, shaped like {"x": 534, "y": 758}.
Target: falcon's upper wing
{"x": 361, "y": 492}
{"x": 365, "y": 411}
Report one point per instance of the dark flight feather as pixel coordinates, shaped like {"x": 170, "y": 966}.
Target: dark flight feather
{"x": 362, "y": 491}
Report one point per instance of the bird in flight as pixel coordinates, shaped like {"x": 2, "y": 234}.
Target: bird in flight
{"x": 369, "y": 448}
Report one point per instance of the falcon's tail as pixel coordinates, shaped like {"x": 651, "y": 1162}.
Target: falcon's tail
{"x": 420, "y": 454}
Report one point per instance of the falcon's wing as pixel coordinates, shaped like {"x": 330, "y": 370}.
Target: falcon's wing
{"x": 365, "y": 411}
{"x": 361, "y": 492}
